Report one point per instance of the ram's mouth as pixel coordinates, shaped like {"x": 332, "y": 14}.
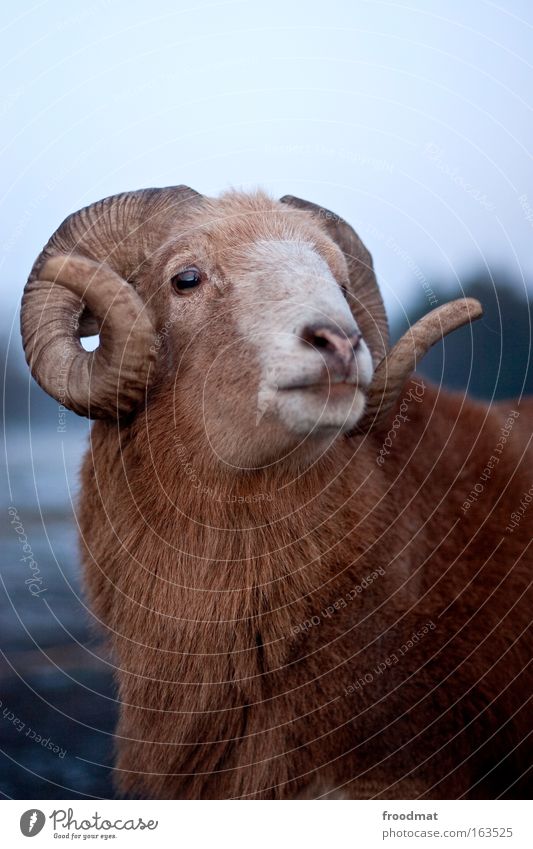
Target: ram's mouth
{"x": 317, "y": 407}
{"x": 333, "y": 389}
{"x": 335, "y": 386}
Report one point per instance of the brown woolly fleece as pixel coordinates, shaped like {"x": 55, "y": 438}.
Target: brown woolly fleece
{"x": 251, "y": 661}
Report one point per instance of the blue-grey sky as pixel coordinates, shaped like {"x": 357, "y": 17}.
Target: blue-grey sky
{"x": 412, "y": 119}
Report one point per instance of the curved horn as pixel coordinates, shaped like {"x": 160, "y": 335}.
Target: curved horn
{"x": 110, "y": 381}
{"x": 400, "y": 362}
{"x": 78, "y": 287}
{"x": 365, "y": 298}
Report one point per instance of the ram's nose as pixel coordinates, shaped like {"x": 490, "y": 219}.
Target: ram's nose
{"x": 336, "y": 345}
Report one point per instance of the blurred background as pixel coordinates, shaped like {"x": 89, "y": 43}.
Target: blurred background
{"x": 411, "y": 120}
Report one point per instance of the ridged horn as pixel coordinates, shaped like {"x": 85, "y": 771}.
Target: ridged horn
{"x": 400, "y": 362}
{"x": 78, "y": 286}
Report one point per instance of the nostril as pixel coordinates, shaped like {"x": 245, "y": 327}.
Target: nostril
{"x": 309, "y": 337}
{"x": 332, "y": 339}
{"x": 318, "y": 341}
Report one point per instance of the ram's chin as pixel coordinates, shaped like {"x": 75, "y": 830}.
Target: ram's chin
{"x": 322, "y": 412}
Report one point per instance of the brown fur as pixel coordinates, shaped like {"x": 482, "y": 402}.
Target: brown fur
{"x": 205, "y": 577}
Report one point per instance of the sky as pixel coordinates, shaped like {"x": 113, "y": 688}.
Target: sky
{"x": 413, "y": 120}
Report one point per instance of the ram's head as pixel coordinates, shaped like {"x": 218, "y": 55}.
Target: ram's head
{"x": 263, "y": 318}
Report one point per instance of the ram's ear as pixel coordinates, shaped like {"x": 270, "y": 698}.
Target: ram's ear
{"x": 364, "y": 295}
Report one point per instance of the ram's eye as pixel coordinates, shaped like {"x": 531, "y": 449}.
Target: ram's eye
{"x": 186, "y": 280}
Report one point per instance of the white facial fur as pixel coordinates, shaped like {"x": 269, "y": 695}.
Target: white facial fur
{"x": 293, "y": 287}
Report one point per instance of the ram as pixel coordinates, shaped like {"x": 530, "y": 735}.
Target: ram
{"x": 301, "y": 554}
